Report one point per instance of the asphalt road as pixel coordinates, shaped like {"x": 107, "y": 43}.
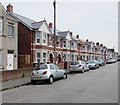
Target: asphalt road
{"x": 95, "y": 86}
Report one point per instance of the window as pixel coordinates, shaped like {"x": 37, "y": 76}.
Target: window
{"x": 44, "y": 57}
{"x": 50, "y": 41}
{"x": 64, "y": 44}
{"x": 58, "y": 42}
{"x": 37, "y": 37}
{"x": 44, "y": 38}
{"x": 0, "y": 26}
{"x": 68, "y": 46}
{"x": 0, "y": 58}
{"x": 10, "y": 29}
{"x": 38, "y": 57}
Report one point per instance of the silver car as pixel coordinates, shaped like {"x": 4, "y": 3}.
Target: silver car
{"x": 80, "y": 66}
{"x": 47, "y": 72}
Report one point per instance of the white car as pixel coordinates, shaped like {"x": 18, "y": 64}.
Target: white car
{"x": 47, "y": 72}
{"x": 78, "y": 66}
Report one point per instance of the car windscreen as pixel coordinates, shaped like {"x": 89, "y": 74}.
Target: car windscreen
{"x": 74, "y": 63}
{"x": 90, "y": 62}
{"x": 41, "y": 67}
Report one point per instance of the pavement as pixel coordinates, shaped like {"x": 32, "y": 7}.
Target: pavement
{"x": 6, "y": 85}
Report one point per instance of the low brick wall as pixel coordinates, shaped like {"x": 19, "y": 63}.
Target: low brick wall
{"x": 13, "y": 74}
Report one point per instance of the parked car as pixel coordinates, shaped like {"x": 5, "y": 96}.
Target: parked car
{"x": 47, "y": 72}
{"x": 92, "y": 64}
{"x": 78, "y": 66}
{"x": 112, "y": 60}
{"x": 101, "y": 62}
{"x": 118, "y": 58}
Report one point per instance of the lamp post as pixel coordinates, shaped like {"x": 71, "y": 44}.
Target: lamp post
{"x": 54, "y": 4}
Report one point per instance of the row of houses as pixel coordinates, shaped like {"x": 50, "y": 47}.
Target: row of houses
{"x": 24, "y": 42}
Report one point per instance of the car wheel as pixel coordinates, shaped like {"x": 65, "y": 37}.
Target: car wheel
{"x": 51, "y": 79}
{"x": 83, "y": 71}
{"x": 65, "y": 76}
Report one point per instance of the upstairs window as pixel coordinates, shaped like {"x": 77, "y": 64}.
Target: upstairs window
{"x": 0, "y": 58}
{"x": 64, "y": 44}
{"x": 37, "y": 37}
{"x": 10, "y": 30}
{"x": 58, "y": 42}
{"x": 44, "y": 38}
{"x": 0, "y": 26}
{"x": 50, "y": 41}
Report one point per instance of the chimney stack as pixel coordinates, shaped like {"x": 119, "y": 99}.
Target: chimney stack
{"x": 71, "y": 33}
{"x": 10, "y": 8}
{"x": 97, "y": 43}
{"x": 50, "y": 25}
{"x": 77, "y": 36}
{"x": 86, "y": 40}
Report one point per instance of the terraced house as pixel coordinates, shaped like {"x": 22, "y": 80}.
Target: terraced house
{"x": 36, "y": 43}
{"x": 8, "y": 40}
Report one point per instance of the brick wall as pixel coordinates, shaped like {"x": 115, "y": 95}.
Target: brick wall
{"x": 13, "y": 74}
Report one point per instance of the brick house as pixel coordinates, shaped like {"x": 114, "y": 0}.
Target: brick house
{"x": 36, "y": 44}
{"x": 8, "y": 39}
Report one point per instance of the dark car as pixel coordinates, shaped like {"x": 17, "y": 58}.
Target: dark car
{"x": 118, "y": 58}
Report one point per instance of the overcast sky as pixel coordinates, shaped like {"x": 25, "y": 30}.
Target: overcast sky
{"x": 96, "y": 20}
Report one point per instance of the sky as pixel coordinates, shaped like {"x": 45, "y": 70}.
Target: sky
{"x": 95, "y": 20}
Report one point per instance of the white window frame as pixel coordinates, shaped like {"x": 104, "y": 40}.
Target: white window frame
{"x": 38, "y": 58}
{"x": 44, "y": 38}
{"x": 68, "y": 46}
{"x": 50, "y": 41}
{"x": 58, "y": 45}
{"x": 13, "y": 29}
{"x": 37, "y": 37}
{"x": 1, "y": 26}
{"x": 64, "y": 44}
{"x": 44, "y": 58}
{"x": 0, "y": 58}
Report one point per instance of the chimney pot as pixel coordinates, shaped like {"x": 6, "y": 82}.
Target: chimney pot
{"x": 10, "y": 8}
{"x": 50, "y": 25}
{"x": 71, "y": 33}
{"x": 77, "y": 36}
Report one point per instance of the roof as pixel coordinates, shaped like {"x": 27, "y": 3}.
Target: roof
{"x": 52, "y": 31}
{"x": 32, "y": 24}
{"x": 63, "y": 33}
{"x": 37, "y": 25}
{"x": 26, "y": 21}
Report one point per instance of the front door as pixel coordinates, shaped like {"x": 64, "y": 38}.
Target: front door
{"x": 9, "y": 61}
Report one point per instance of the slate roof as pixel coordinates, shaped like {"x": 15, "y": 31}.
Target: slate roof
{"x": 28, "y": 22}
{"x": 63, "y": 33}
{"x": 52, "y": 32}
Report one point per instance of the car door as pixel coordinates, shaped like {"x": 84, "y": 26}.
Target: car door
{"x": 58, "y": 71}
{"x": 53, "y": 70}
{"x": 84, "y": 65}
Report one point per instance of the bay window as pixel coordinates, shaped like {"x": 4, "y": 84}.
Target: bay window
{"x": 0, "y": 26}
{"x": 44, "y": 38}
{"x": 44, "y": 57}
{"x": 64, "y": 44}
{"x": 50, "y": 41}
{"x": 37, "y": 37}
{"x": 0, "y": 58}
{"x": 38, "y": 57}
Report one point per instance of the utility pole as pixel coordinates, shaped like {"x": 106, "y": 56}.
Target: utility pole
{"x": 54, "y": 4}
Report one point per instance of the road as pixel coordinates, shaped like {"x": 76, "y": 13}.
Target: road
{"x": 95, "y": 86}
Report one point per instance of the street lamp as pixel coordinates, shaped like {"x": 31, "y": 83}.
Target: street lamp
{"x": 54, "y": 4}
